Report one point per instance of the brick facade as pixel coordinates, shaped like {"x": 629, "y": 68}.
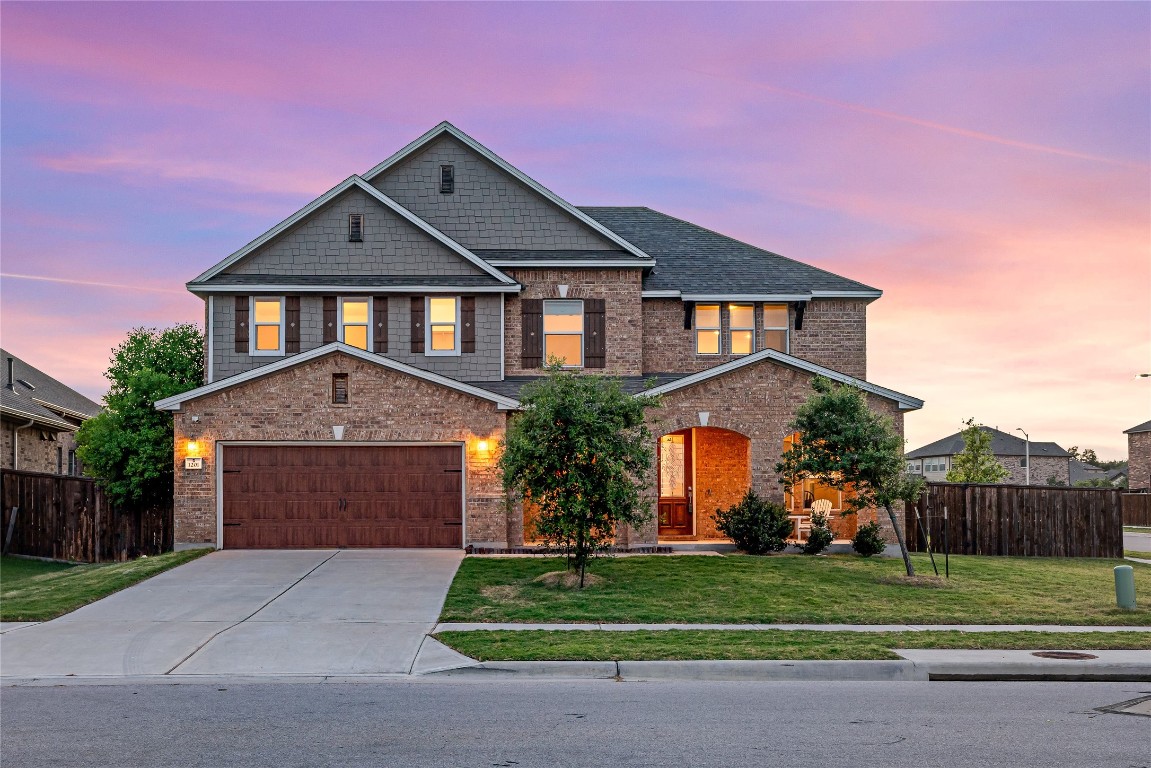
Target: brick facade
{"x": 40, "y": 449}
{"x": 722, "y": 475}
{"x": 295, "y": 404}
{"x": 834, "y": 335}
{"x": 620, "y": 288}
{"x": 1139, "y": 460}
{"x": 1042, "y": 469}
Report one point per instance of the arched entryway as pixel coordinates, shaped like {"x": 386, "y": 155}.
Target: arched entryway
{"x": 701, "y": 469}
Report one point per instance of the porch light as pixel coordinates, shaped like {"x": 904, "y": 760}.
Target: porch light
{"x": 482, "y": 446}
{"x": 192, "y": 448}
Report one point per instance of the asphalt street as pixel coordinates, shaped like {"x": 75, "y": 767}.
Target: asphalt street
{"x": 587, "y": 723}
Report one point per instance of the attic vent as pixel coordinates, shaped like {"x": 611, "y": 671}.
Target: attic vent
{"x": 447, "y": 179}
{"x": 355, "y": 227}
{"x": 28, "y": 384}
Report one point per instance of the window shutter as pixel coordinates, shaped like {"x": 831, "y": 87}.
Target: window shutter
{"x": 688, "y": 314}
{"x": 468, "y": 321}
{"x": 330, "y": 331}
{"x": 532, "y": 316}
{"x": 242, "y": 324}
{"x": 380, "y": 320}
{"x": 594, "y": 333}
{"x": 292, "y": 320}
{"x": 418, "y": 324}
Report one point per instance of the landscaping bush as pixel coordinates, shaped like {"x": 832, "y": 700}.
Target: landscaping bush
{"x": 755, "y": 525}
{"x": 820, "y": 536}
{"x": 868, "y": 540}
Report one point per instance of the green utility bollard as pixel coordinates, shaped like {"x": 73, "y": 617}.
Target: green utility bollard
{"x": 1125, "y": 587}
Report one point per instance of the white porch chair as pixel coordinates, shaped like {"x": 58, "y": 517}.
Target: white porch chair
{"x": 819, "y": 506}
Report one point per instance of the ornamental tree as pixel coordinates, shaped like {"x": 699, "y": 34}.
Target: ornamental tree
{"x": 844, "y": 443}
{"x": 976, "y": 463}
{"x": 128, "y": 446}
{"x": 579, "y": 452}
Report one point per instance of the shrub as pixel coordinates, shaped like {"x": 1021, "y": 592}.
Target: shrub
{"x": 868, "y": 540}
{"x": 820, "y": 536}
{"x": 755, "y": 525}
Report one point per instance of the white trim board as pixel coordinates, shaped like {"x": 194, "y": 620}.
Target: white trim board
{"x": 286, "y": 289}
{"x": 174, "y": 403}
{"x": 447, "y": 128}
{"x": 332, "y": 194}
{"x": 562, "y": 263}
{"x": 723, "y": 297}
{"x": 906, "y": 402}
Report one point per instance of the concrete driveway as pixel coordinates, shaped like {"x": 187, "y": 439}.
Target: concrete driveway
{"x": 270, "y": 612}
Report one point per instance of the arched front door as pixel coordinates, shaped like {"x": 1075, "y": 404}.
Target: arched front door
{"x": 675, "y": 479}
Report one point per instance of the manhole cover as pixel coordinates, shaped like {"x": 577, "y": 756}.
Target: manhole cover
{"x": 1063, "y": 655}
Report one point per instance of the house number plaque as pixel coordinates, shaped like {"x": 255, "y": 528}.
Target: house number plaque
{"x": 194, "y": 462}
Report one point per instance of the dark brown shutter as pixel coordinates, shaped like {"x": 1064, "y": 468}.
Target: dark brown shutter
{"x": 242, "y": 324}
{"x": 468, "y": 320}
{"x": 532, "y": 315}
{"x": 688, "y": 313}
{"x": 380, "y": 319}
{"x": 594, "y": 333}
{"x": 418, "y": 324}
{"x": 292, "y": 319}
{"x": 331, "y": 333}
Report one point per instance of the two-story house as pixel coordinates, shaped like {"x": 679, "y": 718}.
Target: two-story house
{"x": 364, "y": 356}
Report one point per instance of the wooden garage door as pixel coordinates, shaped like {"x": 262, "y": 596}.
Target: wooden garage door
{"x": 301, "y": 496}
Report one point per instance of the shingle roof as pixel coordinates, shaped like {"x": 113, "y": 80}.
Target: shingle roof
{"x": 37, "y": 402}
{"x": 1144, "y": 427}
{"x": 1081, "y": 470}
{"x": 1002, "y": 444}
{"x": 694, "y": 260}
{"x": 357, "y": 281}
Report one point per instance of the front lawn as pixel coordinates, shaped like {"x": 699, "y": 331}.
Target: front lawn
{"x": 34, "y": 590}
{"x": 796, "y": 589}
{"x": 598, "y": 645}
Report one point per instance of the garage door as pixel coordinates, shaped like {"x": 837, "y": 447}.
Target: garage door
{"x": 302, "y": 496}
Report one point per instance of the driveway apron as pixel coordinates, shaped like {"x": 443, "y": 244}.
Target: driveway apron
{"x": 270, "y": 612}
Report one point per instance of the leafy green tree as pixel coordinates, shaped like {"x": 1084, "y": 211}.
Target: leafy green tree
{"x": 843, "y": 442}
{"x": 579, "y": 452}
{"x": 1087, "y": 455}
{"x": 976, "y": 463}
{"x": 128, "y": 447}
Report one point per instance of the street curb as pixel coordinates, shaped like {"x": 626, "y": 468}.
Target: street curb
{"x": 763, "y": 671}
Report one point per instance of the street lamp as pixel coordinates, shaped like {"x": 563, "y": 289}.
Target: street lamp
{"x": 1026, "y": 454}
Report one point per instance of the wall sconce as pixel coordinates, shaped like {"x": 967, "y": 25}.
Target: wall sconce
{"x": 192, "y": 448}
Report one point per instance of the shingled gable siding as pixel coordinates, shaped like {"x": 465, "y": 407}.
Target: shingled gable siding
{"x": 757, "y": 401}
{"x": 319, "y": 246}
{"x": 620, "y": 290}
{"x": 834, "y": 335}
{"x": 482, "y": 365}
{"x": 488, "y": 209}
{"x": 296, "y": 405}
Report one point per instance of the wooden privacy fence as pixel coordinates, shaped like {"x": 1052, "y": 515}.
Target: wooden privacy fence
{"x": 1027, "y": 520}
{"x": 1137, "y": 509}
{"x": 68, "y": 518}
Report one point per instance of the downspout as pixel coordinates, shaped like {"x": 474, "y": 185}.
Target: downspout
{"x": 16, "y": 444}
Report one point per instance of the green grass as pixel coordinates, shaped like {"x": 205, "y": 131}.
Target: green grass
{"x": 798, "y": 589}
{"x": 1136, "y": 553}
{"x": 578, "y": 645}
{"x": 34, "y": 590}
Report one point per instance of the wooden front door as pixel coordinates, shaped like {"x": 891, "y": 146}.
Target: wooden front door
{"x": 312, "y": 496}
{"x": 675, "y": 478}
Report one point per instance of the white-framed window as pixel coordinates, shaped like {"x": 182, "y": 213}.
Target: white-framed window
{"x": 354, "y": 322}
{"x": 707, "y": 328}
{"x": 775, "y": 325}
{"x": 741, "y": 328}
{"x": 442, "y": 327}
{"x": 936, "y": 464}
{"x": 267, "y": 325}
{"x": 563, "y": 331}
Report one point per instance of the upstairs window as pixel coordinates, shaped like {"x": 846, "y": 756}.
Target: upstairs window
{"x": 355, "y": 227}
{"x": 707, "y": 329}
{"x": 355, "y": 331}
{"x": 563, "y": 332}
{"x": 775, "y": 327}
{"x": 447, "y": 179}
{"x": 268, "y": 314}
{"x": 742, "y": 328}
{"x": 443, "y": 325}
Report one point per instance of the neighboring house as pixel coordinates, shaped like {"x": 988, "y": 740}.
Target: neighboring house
{"x": 1139, "y": 456}
{"x": 365, "y": 354}
{"x": 39, "y": 417}
{"x": 1081, "y": 470}
{"x": 1048, "y": 460}
{"x": 1118, "y": 476}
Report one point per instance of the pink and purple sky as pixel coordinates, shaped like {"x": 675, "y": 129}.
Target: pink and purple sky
{"x": 988, "y": 165}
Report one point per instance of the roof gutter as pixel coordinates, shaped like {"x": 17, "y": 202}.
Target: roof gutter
{"x": 16, "y": 440}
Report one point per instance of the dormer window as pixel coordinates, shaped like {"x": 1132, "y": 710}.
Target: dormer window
{"x": 355, "y": 228}
{"x": 447, "y": 179}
